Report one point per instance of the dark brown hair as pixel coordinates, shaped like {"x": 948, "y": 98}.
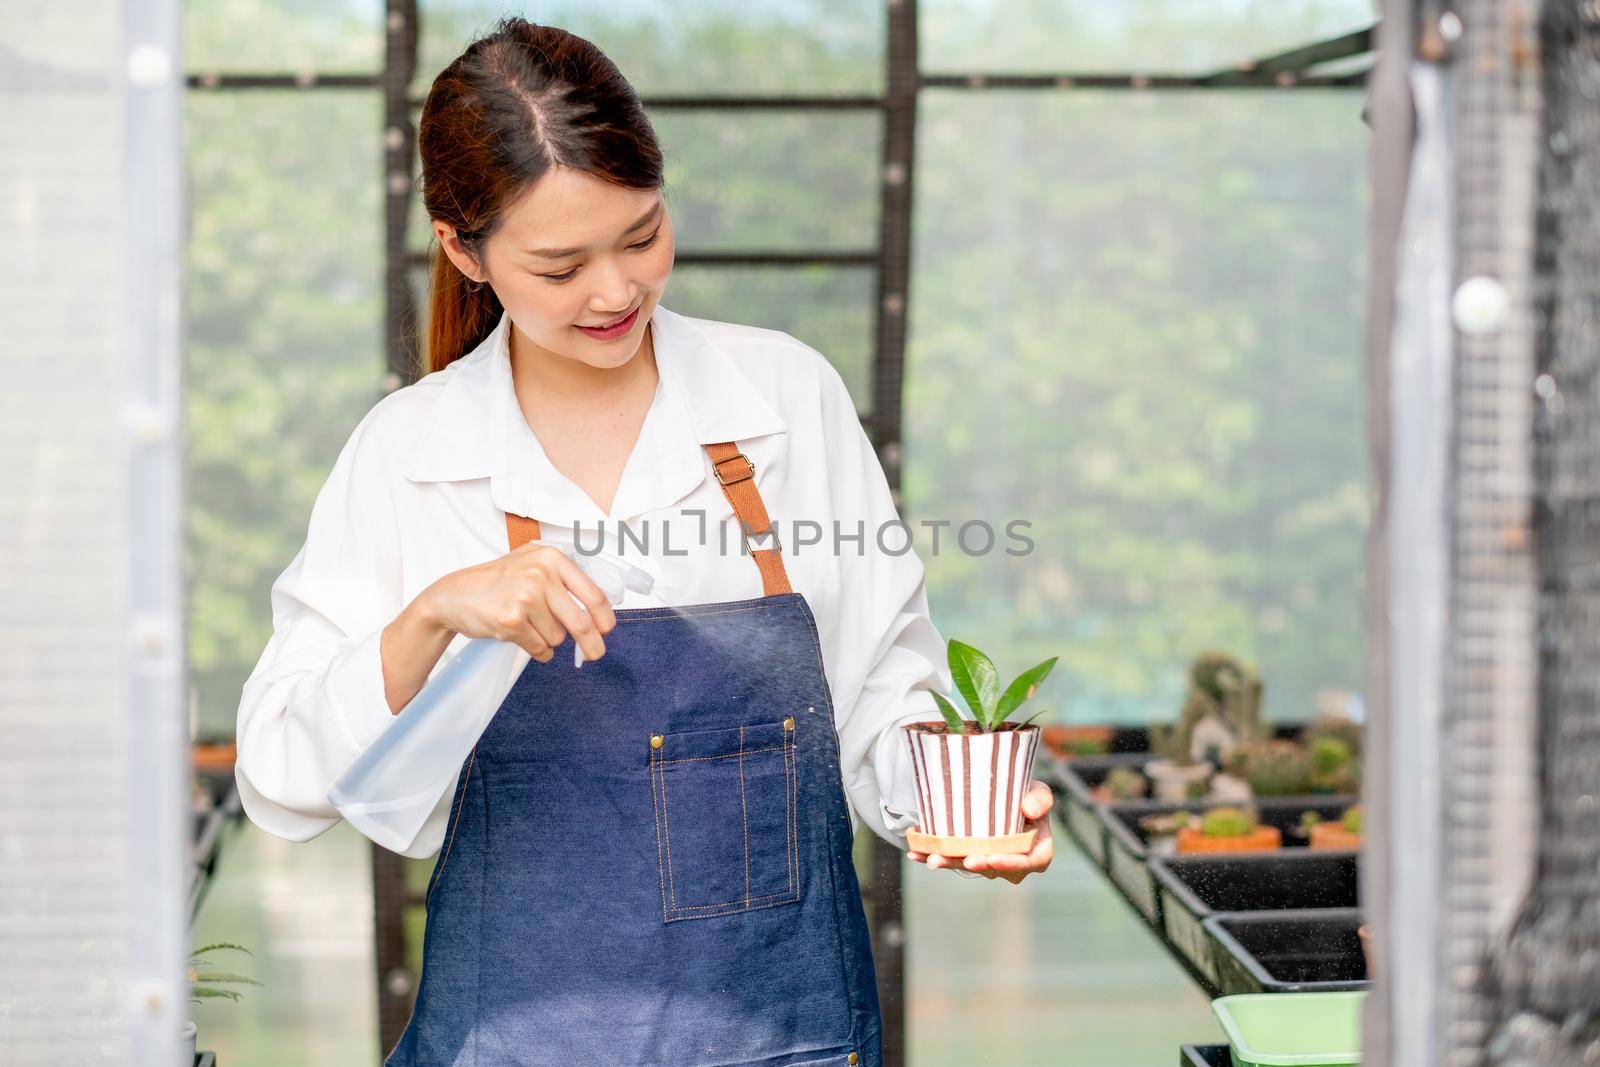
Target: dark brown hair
{"x": 516, "y": 103}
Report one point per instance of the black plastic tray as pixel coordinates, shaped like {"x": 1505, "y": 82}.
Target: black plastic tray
{"x": 1314, "y": 951}
{"x": 1204, "y": 1056}
{"x": 1127, "y": 846}
{"x": 1193, "y": 888}
{"x": 1075, "y": 778}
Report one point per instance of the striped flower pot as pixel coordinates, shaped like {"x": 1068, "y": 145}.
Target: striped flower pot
{"x": 970, "y": 788}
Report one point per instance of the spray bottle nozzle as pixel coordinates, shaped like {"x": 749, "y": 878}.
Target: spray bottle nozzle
{"x": 612, "y": 574}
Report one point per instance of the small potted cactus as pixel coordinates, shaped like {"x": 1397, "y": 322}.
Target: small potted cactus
{"x": 1334, "y": 767}
{"x": 1121, "y": 783}
{"x": 1342, "y": 836}
{"x": 1276, "y": 768}
{"x": 1228, "y": 830}
{"x": 1333, "y": 725}
{"x": 1176, "y": 776}
{"x": 1221, "y": 710}
{"x": 972, "y": 774}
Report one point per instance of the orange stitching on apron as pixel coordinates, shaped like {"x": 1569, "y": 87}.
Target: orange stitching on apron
{"x": 666, "y": 821}
{"x": 660, "y": 866}
{"x": 794, "y": 836}
{"x": 744, "y": 814}
{"x": 664, "y": 834}
{"x": 725, "y": 755}
{"x": 673, "y": 613}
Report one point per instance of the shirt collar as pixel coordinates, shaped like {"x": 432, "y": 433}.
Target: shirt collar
{"x": 476, "y": 429}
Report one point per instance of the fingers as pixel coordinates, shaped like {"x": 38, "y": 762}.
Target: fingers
{"x": 594, "y": 618}
{"x": 545, "y": 595}
{"x": 1039, "y": 799}
{"x": 536, "y": 649}
{"x": 576, "y": 620}
{"x": 1012, "y": 866}
{"x": 541, "y": 619}
{"x": 1016, "y": 866}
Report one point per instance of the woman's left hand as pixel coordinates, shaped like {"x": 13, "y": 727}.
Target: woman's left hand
{"x": 1013, "y": 867}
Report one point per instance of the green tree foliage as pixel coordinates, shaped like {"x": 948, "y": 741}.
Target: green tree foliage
{"x": 1134, "y": 321}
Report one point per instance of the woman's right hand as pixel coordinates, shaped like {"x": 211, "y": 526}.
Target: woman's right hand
{"x": 526, "y": 598}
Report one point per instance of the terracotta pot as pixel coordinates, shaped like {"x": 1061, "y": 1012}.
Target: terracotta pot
{"x": 1331, "y": 837}
{"x": 1364, "y": 932}
{"x": 1061, "y": 739}
{"x": 214, "y": 757}
{"x": 970, "y": 788}
{"x": 1261, "y": 839}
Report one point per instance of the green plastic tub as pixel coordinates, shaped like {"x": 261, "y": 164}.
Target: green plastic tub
{"x": 1292, "y": 1029}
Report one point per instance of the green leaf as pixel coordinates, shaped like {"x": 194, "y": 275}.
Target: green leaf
{"x": 225, "y": 978}
{"x": 222, "y": 944}
{"x": 976, "y": 679}
{"x": 206, "y": 991}
{"x": 1029, "y": 719}
{"x": 952, "y": 717}
{"x": 1021, "y": 689}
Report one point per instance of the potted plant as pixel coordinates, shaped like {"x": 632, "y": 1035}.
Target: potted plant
{"x": 1221, "y": 710}
{"x": 1275, "y": 768}
{"x": 1334, "y": 768}
{"x": 1331, "y": 724}
{"x": 1161, "y": 830}
{"x": 1228, "y": 830}
{"x": 1342, "y": 836}
{"x": 204, "y": 984}
{"x": 1121, "y": 783}
{"x": 973, "y": 773}
{"x": 1176, "y": 775}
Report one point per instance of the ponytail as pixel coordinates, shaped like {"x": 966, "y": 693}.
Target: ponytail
{"x": 461, "y": 313}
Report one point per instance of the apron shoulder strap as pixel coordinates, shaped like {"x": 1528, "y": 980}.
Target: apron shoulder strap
{"x": 736, "y": 474}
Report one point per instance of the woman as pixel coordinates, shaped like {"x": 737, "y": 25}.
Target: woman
{"x": 646, "y": 860}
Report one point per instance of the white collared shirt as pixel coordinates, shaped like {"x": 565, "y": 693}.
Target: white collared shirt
{"x": 421, "y": 488}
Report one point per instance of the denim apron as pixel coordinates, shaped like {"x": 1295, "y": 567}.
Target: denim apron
{"x": 648, "y": 860}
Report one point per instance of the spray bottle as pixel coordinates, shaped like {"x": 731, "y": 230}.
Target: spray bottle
{"x": 389, "y": 791}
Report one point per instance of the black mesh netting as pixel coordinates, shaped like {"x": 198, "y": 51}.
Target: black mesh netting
{"x": 1547, "y": 972}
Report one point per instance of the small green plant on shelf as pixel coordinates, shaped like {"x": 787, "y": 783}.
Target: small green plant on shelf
{"x": 1334, "y": 767}
{"x": 1228, "y": 822}
{"x": 204, "y": 984}
{"x": 1354, "y": 821}
{"x": 1276, "y": 768}
{"x": 977, "y": 680}
{"x": 1337, "y": 726}
{"x": 1125, "y": 783}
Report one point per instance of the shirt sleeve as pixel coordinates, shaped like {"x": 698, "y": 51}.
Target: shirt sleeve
{"x": 315, "y": 699}
{"x": 888, "y": 656}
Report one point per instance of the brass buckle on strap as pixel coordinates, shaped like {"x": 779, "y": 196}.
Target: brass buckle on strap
{"x": 748, "y": 473}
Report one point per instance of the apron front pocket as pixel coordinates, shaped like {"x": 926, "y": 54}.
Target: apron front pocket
{"x": 726, "y": 833}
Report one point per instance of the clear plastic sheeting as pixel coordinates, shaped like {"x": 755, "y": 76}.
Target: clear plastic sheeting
{"x": 1419, "y": 431}
{"x": 1549, "y": 967}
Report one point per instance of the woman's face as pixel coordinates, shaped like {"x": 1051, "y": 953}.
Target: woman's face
{"x": 617, "y": 251}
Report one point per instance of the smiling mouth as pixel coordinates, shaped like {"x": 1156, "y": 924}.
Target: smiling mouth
{"x": 615, "y": 321}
